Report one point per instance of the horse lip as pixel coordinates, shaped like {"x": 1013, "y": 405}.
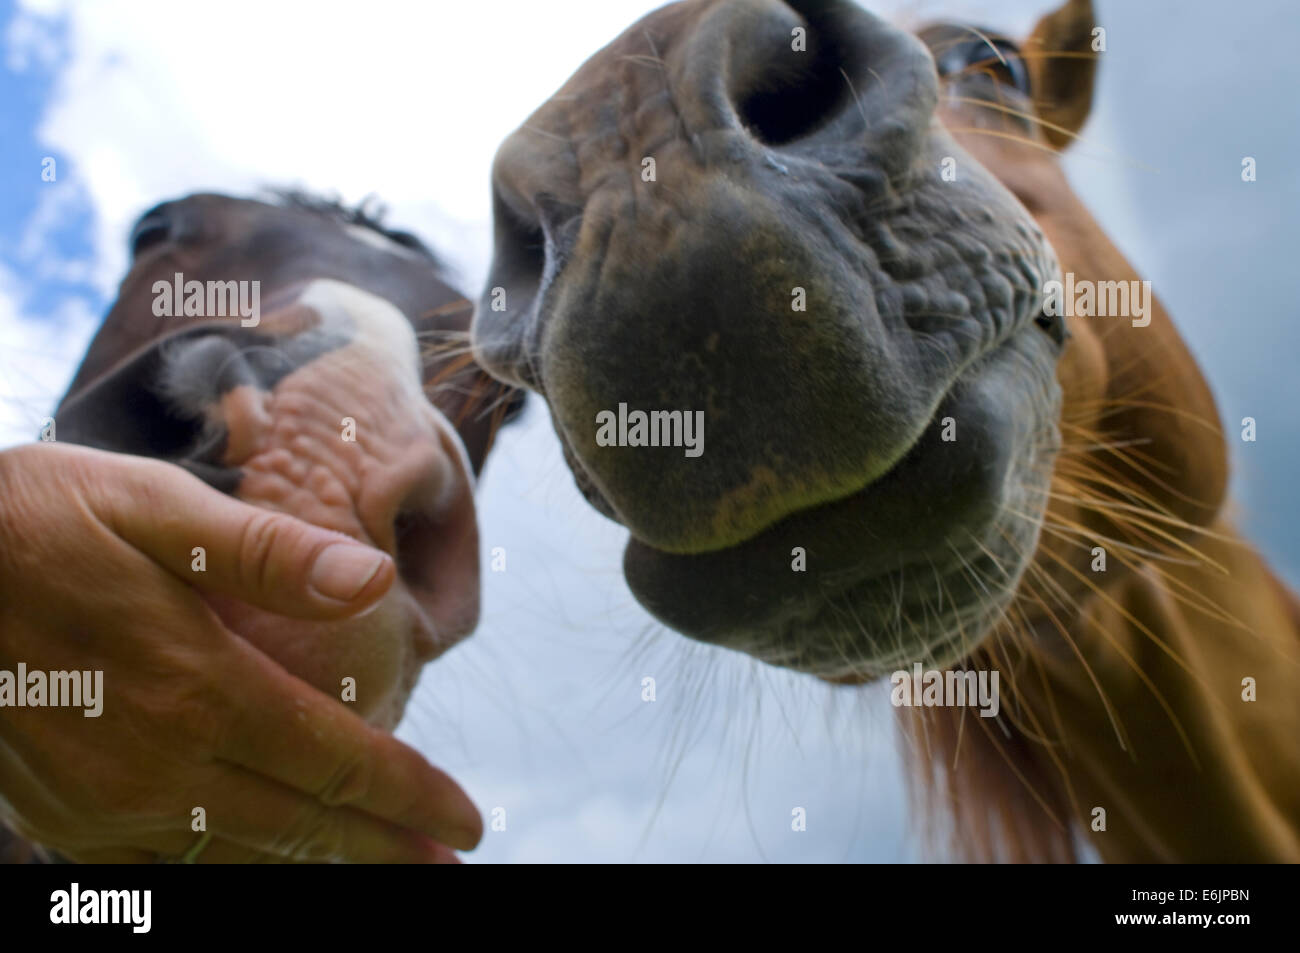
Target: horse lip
{"x": 710, "y": 594}
{"x": 902, "y": 519}
{"x": 592, "y": 493}
{"x": 598, "y": 501}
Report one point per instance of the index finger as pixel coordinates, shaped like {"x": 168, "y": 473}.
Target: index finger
{"x": 319, "y": 747}
{"x": 266, "y": 558}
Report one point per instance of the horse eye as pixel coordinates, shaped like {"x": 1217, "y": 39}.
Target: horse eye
{"x": 149, "y": 231}
{"x": 405, "y": 239}
{"x": 996, "y": 56}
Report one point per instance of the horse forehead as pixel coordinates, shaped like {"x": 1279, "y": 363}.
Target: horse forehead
{"x": 379, "y": 241}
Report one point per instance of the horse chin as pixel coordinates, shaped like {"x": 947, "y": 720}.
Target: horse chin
{"x": 923, "y": 613}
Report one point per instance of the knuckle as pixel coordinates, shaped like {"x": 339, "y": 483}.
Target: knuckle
{"x": 218, "y": 725}
{"x": 200, "y": 721}
{"x": 183, "y": 712}
{"x": 200, "y": 715}
{"x": 139, "y": 486}
{"x": 350, "y": 783}
{"x": 258, "y": 542}
{"x": 138, "y": 489}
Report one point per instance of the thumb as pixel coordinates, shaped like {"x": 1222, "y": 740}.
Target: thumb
{"x": 268, "y": 559}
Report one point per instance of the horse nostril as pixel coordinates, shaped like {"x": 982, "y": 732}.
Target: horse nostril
{"x": 792, "y": 107}
{"x": 522, "y": 261}
{"x": 412, "y": 533}
{"x": 436, "y": 550}
{"x": 520, "y": 246}
{"x": 797, "y": 86}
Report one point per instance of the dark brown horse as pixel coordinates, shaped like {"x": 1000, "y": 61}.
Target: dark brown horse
{"x": 843, "y": 248}
{"x": 301, "y": 356}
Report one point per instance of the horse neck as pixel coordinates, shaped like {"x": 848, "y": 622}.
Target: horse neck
{"x": 1143, "y": 711}
{"x": 1135, "y": 707}
{"x": 1123, "y": 689}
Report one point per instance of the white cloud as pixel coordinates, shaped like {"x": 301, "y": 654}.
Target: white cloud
{"x": 39, "y": 356}
{"x": 407, "y": 100}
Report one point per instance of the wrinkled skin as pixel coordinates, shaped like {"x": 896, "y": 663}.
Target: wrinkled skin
{"x": 406, "y": 460}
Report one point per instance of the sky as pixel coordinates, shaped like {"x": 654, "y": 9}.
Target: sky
{"x": 541, "y": 713}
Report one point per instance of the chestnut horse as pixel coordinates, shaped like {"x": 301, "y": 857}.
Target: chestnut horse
{"x": 845, "y": 249}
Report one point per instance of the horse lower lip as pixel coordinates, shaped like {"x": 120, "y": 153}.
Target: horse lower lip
{"x": 749, "y": 584}
{"x": 812, "y": 515}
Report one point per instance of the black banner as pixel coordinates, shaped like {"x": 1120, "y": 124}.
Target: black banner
{"x": 331, "y": 903}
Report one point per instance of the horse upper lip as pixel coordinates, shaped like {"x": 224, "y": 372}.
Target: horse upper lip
{"x": 602, "y": 504}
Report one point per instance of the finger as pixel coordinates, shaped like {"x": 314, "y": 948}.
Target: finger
{"x": 110, "y": 855}
{"x": 218, "y": 851}
{"x": 266, "y": 817}
{"x": 222, "y": 851}
{"x": 324, "y": 750}
{"x": 268, "y": 559}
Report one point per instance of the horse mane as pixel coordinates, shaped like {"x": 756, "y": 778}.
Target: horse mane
{"x": 984, "y": 793}
{"x": 369, "y": 213}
